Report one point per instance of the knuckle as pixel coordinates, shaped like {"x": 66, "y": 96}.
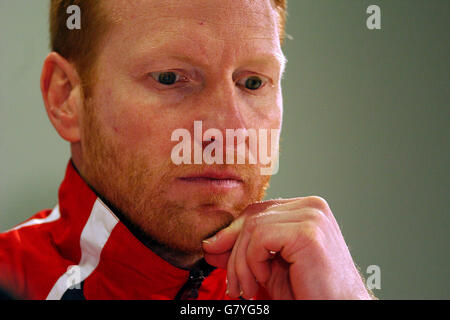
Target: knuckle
{"x": 312, "y": 236}
{"x": 251, "y": 223}
{"x": 317, "y": 202}
{"x": 314, "y": 215}
{"x": 258, "y": 233}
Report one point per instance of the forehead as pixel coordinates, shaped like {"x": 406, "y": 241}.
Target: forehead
{"x": 258, "y": 13}
{"x": 143, "y": 24}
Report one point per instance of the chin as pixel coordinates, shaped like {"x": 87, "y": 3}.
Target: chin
{"x": 188, "y": 239}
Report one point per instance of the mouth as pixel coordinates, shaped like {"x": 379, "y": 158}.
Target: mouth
{"x": 214, "y": 180}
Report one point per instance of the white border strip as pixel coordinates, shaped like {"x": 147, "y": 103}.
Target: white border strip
{"x": 53, "y": 216}
{"x": 94, "y": 236}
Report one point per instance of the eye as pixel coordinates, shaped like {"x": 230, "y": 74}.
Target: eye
{"x": 252, "y": 82}
{"x": 167, "y": 78}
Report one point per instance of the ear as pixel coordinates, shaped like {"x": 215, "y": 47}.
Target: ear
{"x": 61, "y": 91}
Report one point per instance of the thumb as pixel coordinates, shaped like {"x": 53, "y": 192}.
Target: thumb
{"x": 223, "y": 240}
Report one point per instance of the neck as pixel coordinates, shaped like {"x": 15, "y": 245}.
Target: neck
{"x": 177, "y": 258}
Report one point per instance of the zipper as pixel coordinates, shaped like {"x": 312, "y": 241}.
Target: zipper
{"x": 189, "y": 291}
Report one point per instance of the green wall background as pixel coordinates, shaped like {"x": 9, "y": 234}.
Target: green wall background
{"x": 366, "y": 126}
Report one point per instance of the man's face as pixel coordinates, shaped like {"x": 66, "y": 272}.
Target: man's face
{"x": 164, "y": 65}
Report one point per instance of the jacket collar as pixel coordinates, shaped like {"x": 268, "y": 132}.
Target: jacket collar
{"x": 93, "y": 231}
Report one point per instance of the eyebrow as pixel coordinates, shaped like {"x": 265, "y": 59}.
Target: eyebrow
{"x": 274, "y": 59}
{"x": 151, "y": 55}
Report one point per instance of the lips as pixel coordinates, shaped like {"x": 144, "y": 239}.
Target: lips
{"x": 212, "y": 175}
{"x": 213, "y": 179}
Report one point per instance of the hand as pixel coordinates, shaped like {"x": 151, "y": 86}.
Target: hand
{"x": 293, "y": 248}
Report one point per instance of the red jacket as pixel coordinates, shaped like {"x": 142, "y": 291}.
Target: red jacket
{"x": 81, "y": 250}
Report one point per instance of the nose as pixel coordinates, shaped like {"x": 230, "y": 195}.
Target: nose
{"x": 223, "y": 108}
{"x": 224, "y": 113}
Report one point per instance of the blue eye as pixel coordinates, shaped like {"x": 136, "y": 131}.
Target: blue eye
{"x": 166, "y": 78}
{"x": 252, "y": 83}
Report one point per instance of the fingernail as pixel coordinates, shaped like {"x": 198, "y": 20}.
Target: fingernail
{"x": 210, "y": 240}
{"x": 228, "y": 287}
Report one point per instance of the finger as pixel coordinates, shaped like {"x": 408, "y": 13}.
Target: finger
{"x": 218, "y": 260}
{"x": 246, "y": 280}
{"x": 233, "y": 287}
{"x": 283, "y": 238}
{"x": 241, "y": 280}
{"x": 224, "y": 240}
{"x": 304, "y": 202}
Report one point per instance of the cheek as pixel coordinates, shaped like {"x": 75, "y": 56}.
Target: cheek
{"x": 142, "y": 129}
{"x": 141, "y": 132}
{"x": 267, "y": 111}
{"x": 270, "y": 117}
{"x": 130, "y": 126}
